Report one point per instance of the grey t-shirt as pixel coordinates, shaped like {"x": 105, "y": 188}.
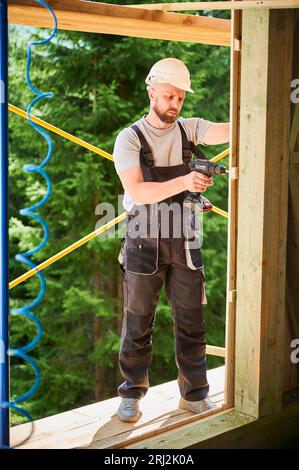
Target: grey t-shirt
{"x": 166, "y": 145}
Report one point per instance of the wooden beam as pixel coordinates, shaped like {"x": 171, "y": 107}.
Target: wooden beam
{"x": 232, "y": 208}
{"x": 215, "y": 351}
{"x": 266, "y": 73}
{"x": 233, "y": 5}
{"x": 231, "y": 430}
{"x": 195, "y": 435}
{"x": 294, "y": 158}
{"x": 76, "y": 15}
{"x": 292, "y": 294}
{"x": 294, "y": 128}
{"x": 293, "y": 222}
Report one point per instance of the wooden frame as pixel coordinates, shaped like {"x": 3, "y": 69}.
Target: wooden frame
{"x": 258, "y": 225}
{"x": 76, "y": 15}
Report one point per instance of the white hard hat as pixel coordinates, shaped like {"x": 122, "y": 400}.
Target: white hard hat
{"x": 172, "y": 71}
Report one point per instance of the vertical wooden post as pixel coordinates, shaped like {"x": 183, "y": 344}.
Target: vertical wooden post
{"x": 267, "y": 42}
{"x": 291, "y": 375}
{"x": 232, "y": 207}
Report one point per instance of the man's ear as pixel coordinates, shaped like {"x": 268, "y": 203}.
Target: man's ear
{"x": 151, "y": 92}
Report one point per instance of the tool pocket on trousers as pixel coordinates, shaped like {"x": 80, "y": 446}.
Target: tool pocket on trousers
{"x": 194, "y": 258}
{"x": 125, "y": 291}
{"x": 142, "y": 255}
{"x": 204, "y": 300}
{"x": 192, "y": 243}
{"x": 121, "y": 255}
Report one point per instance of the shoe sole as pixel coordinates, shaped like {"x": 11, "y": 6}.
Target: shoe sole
{"x": 133, "y": 419}
{"x": 187, "y": 407}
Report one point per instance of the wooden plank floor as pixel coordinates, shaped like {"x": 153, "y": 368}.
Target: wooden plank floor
{"x": 95, "y": 426}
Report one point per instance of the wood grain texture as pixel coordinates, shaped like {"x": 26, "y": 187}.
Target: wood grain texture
{"x": 291, "y": 375}
{"x": 76, "y": 15}
{"x": 95, "y": 426}
{"x": 226, "y": 5}
{"x": 267, "y": 40}
{"x": 232, "y": 207}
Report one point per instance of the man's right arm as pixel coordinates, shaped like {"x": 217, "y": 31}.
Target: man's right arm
{"x": 143, "y": 192}
{"x": 127, "y": 164}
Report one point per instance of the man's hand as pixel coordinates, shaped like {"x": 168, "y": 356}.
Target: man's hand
{"x": 197, "y": 182}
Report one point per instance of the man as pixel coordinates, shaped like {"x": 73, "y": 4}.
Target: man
{"x": 151, "y": 158}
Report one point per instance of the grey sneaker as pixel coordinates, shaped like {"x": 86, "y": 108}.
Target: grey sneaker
{"x": 129, "y": 410}
{"x": 198, "y": 407}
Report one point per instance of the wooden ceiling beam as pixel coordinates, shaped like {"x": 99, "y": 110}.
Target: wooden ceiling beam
{"x": 226, "y": 5}
{"x": 76, "y": 15}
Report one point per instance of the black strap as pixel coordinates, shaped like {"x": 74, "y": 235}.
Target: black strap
{"x": 198, "y": 152}
{"x": 146, "y": 154}
{"x": 189, "y": 148}
{"x": 186, "y": 146}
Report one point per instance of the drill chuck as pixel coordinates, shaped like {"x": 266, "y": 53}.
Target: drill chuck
{"x": 207, "y": 167}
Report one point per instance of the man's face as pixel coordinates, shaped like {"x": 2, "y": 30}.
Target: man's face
{"x": 166, "y": 101}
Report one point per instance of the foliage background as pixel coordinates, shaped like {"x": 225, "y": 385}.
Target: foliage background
{"x": 98, "y": 81}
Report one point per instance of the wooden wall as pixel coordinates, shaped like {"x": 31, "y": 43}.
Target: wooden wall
{"x": 266, "y": 72}
{"x": 291, "y": 371}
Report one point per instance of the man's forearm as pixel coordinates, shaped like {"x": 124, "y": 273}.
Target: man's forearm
{"x": 151, "y": 192}
{"x": 217, "y": 133}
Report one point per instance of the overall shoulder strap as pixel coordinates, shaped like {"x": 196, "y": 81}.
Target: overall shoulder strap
{"x": 186, "y": 146}
{"x": 189, "y": 148}
{"x": 146, "y": 155}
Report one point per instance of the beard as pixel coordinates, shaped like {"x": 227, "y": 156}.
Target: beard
{"x": 164, "y": 117}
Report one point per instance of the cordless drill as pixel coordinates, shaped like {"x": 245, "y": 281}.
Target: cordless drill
{"x": 196, "y": 201}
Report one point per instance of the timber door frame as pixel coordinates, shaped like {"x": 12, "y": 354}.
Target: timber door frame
{"x": 260, "y": 122}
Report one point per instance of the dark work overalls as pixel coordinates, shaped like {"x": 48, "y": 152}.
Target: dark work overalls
{"x": 148, "y": 262}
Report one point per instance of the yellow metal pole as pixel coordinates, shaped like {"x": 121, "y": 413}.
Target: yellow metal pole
{"x": 79, "y": 243}
{"x": 60, "y": 132}
{"x": 220, "y": 156}
{"x": 67, "y": 250}
{"x": 82, "y": 142}
{"x": 220, "y": 212}
{"x": 105, "y": 227}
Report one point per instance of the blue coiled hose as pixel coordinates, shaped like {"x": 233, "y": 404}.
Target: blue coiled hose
{"x": 25, "y": 311}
